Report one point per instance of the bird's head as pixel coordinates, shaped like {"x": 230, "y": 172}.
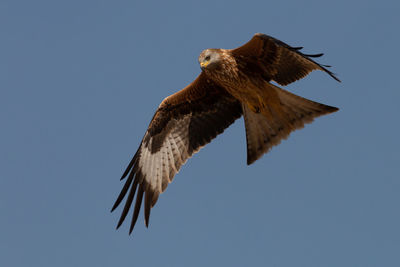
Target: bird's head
{"x": 209, "y": 59}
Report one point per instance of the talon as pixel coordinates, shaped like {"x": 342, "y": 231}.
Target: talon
{"x": 255, "y": 109}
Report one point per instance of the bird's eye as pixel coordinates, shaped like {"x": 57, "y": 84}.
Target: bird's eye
{"x": 207, "y": 58}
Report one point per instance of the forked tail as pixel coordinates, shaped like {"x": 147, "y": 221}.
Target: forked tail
{"x": 282, "y": 113}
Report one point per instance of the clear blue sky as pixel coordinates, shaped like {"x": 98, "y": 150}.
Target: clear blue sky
{"x": 80, "y": 81}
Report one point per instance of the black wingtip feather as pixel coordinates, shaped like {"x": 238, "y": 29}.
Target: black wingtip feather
{"x": 131, "y": 163}
{"x": 314, "y": 55}
{"x": 147, "y": 206}
{"x": 123, "y": 192}
{"x": 128, "y": 203}
{"x": 333, "y": 75}
{"x": 138, "y": 204}
{"x": 337, "y": 79}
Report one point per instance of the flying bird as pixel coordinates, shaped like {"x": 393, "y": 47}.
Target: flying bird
{"x": 232, "y": 83}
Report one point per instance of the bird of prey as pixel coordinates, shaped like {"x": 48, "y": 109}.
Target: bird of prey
{"x": 232, "y": 83}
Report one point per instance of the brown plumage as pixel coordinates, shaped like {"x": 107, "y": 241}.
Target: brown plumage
{"x": 233, "y": 83}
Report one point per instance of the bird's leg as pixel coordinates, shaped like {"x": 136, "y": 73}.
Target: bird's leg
{"x": 257, "y": 105}
{"x": 261, "y": 102}
{"x": 254, "y": 108}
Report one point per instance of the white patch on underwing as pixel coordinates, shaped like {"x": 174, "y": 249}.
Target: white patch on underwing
{"x": 166, "y": 162}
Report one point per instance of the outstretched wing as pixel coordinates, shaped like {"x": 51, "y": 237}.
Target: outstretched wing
{"x": 276, "y": 60}
{"x": 183, "y": 123}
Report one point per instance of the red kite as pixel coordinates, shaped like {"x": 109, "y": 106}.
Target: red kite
{"x": 233, "y": 82}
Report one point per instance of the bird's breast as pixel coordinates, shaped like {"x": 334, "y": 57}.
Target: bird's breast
{"x": 239, "y": 86}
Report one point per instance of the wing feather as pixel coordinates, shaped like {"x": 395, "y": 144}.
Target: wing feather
{"x": 136, "y": 211}
{"x": 183, "y": 123}
{"x": 173, "y": 161}
{"x": 276, "y": 60}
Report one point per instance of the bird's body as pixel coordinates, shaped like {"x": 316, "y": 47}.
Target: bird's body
{"x": 232, "y": 83}
{"x": 242, "y": 87}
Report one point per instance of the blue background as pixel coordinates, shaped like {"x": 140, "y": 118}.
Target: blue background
{"x": 80, "y": 81}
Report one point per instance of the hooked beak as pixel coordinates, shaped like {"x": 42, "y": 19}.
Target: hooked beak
{"x": 204, "y": 64}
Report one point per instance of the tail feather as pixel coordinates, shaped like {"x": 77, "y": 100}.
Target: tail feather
{"x": 283, "y": 113}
